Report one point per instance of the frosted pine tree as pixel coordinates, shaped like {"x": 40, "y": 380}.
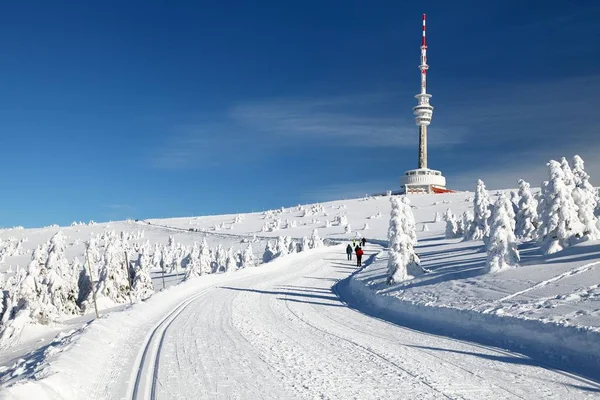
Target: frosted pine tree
{"x": 481, "y": 209}
{"x": 290, "y": 244}
{"x": 63, "y": 277}
{"x": 281, "y": 248}
{"x": 403, "y": 262}
{"x": 452, "y": 227}
{"x": 230, "y": 261}
{"x": 584, "y": 196}
{"x": 527, "y": 217}
{"x": 315, "y": 241}
{"x": 466, "y": 225}
{"x": 560, "y": 226}
{"x": 113, "y": 278}
{"x": 269, "y": 253}
{"x": 447, "y": 214}
{"x": 305, "y": 244}
{"x": 348, "y": 229}
{"x": 204, "y": 258}
{"x": 193, "y": 268}
{"x": 220, "y": 258}
{"x": 247, "y": 259}
{"x": 142, "y": 287}
{"x": 568, "y": 177}
{"x": 437, "y": 217}
{"x": 502, "y": 252}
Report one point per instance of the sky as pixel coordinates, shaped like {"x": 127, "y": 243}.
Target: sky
{"x": 149, "y": 109}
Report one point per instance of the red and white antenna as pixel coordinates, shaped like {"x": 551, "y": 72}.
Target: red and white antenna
{"x": 424, "y": 42}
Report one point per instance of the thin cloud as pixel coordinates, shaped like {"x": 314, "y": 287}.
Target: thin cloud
{"x": 350, "y": 121}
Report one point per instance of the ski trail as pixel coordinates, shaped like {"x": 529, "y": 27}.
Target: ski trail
{"x": 567, "y": 274}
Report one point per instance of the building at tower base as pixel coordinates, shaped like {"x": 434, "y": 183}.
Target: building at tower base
{"x": 424, "y": 180}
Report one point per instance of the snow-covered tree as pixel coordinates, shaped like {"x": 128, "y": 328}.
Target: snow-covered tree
{"x": 348, "y": 229}
{"x": 366, "y": 227}
{"x": 452, "y": 227}
{"x": 527, "y": 217}
{"x": 220, "y": 259}
{"x": 437, "y": 217}
{"x": 584, "y": 196}
{"x": 142, "y": 287}
{"x": 447, "y": 214}
{"x": 560, "y": 226}
{"x": 247, "y": 258}
{"x": 481, "y": 207}
{"x": 403, "y": 262}
{"x": 305, "y": 245}
{"x": 290, "y": 244}
{"x": 502, "y": 252}
{"x": 269, "y": 253}
{"x": 230, "y": 261}
{"x": 113, "y": 279}
{"x": 61, "y": 277}
{"x": 466, "y": 225}
{"x": 568, "y": 177}
{"x": 281, "y": 247}
{"x": 315, "y": 241}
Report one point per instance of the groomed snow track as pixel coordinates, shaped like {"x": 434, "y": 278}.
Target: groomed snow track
{"x": 289, "y": 334}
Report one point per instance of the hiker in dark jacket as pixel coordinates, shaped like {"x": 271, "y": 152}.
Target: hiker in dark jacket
{"x": 359, "y": 254}
{"x": 363, "y": 241}
{"x": 349, "y": 251}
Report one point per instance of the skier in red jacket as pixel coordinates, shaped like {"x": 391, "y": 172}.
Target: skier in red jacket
{"x": 359, "y": 254}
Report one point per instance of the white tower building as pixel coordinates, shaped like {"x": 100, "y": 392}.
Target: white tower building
{"x": 423, "y": 179}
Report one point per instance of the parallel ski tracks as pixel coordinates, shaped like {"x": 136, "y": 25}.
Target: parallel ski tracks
{"x": 146, "y": 378}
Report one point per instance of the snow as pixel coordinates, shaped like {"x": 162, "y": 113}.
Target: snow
{"x": 305, "y": 325}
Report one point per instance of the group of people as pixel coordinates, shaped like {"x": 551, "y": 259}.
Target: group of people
{"x": 355, "y": 247}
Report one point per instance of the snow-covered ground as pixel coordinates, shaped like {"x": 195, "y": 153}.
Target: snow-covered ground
{"x": 283, "y": 330}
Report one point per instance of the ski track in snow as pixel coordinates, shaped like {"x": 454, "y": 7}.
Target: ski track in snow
{"x": 290, "y": 335}
{"x": 570, "y": 273}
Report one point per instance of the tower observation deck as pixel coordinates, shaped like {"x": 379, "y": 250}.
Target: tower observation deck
{"x": 423, "y": 179}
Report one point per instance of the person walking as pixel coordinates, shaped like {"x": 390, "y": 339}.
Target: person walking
{"x": 359, "y": 254}
{"x": 349, "y": 251}
{"x": 363, "y": 241}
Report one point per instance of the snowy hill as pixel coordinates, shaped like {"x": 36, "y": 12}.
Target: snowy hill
{"x": 559, "y": 289}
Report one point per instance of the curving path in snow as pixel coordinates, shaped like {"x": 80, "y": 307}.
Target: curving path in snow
{"x": 289, "y": 335}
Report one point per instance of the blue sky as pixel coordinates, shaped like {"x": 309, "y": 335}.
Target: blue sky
{"x": 135, "y": 109}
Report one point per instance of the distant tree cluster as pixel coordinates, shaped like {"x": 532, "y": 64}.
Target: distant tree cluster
{"x": 565, "y": 212}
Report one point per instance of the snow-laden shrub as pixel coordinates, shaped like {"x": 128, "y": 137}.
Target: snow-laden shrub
{"x": 305, "y": 244}
{"x": 453, "y": 228}
{"x": 348, "y": 229}
{"x": 247, "y": 258}
{"x": 315, "y": 241}
{"x": 447, "y": 214}
{"x": 560, "y": 225}
{"x": 327, "y": 224}
{"x": 366, "y": 227}
{"x": 142, "y": 287}
{"x": 113, "y": 279}
{"x": 281, "y": 247}
{"x": 502, "y": 252}
{"x": 425, "y": 228}
{"x": 527, "y": 217}
{"x": 269, "y": 253}
{"x": 480, "y": 229}
{"x": 403, "y": 262}
{"x": 437, "y": 217}
{"x": 230, "y": 261}
{"x": 568, "y": 177}
{"x": 220, "y": 259}
{"x": 584, "y": 196}
{"x": 341, "y": 220}
{"x": 62, "y": 278}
